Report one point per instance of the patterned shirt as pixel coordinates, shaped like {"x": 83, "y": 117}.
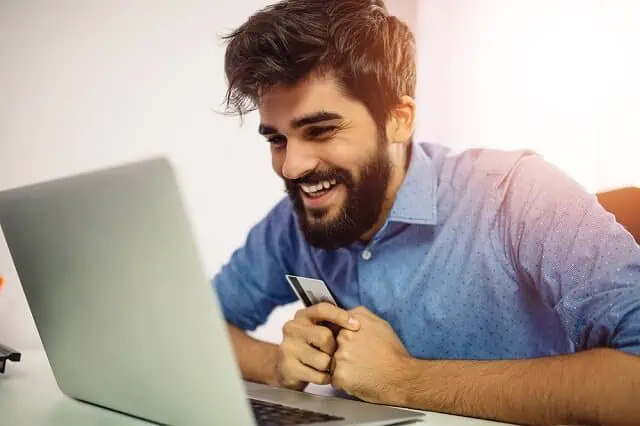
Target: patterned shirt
{"x": 484, "y": 255}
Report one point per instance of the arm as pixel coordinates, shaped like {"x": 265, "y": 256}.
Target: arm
{"x": 586, "y": 268}
{"x": 583, "y": 265}
{"x": 599, "y": 386}
{"x": 252, "y": 283}
{"x": 596, "y": 386}
{"x": 256, "y": 359}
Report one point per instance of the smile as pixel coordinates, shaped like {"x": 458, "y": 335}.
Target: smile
{"x": 319, "y": 188}
{"x": 320, "y": 195}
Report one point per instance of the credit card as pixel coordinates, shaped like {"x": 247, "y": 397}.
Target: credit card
{"x": 310, "y": 291}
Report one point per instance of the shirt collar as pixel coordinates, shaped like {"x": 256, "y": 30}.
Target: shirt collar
{"x": 417, "y": 197}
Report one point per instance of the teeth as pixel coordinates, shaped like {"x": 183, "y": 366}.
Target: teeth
{"x": 310, "y": 189}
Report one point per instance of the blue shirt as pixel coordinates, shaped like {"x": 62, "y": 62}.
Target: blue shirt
{"x": 485, "y": 255}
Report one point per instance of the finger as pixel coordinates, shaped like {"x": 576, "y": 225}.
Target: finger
{"x": 300, "y": 332}
{"x": 296, "y": 370}
{"x": 314, "y": 358}
{"x": 291, "y": 328}
{"x": 321, "y": 338}
{"x": 361, "y": 310}
{"x": 333, "y": 314}
{"x": 334, "y": 328}
{"x": 344, "y": 337}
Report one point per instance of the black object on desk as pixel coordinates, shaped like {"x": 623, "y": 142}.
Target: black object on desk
{"x": 8, "y": 354}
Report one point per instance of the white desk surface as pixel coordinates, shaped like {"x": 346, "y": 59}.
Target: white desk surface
{"x": 30, "y": 396}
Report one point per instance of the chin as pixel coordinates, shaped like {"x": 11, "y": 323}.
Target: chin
{"x": 327, "y": 217}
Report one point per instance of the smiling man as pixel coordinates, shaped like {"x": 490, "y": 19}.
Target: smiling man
{"x": 485, "y": 284}
{"x": 336, "y": 183}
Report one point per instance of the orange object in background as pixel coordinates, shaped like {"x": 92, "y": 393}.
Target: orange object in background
{"x": 1, "y": 281}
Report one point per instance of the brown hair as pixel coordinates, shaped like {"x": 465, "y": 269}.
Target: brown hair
{"x": 371, "y": 53}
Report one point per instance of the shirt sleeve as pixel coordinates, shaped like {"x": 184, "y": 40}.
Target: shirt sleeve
{"x": 253, "y": 282}
{"x": 583, "y": 263}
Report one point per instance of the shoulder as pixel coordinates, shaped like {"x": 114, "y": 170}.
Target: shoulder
{"x": 502, "y": 179}
{"x": 272, "y": 242}
{"x": 500, "y": 170}
{"x": 486, "y": 164}
{"x": 279, "y": 225}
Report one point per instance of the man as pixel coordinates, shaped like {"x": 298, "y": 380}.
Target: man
{"x": 484, "y": 284}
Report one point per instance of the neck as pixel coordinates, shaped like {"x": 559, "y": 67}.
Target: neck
{"x": 400, "y": 156}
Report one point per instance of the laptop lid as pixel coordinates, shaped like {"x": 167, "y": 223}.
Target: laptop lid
{"x": 127, "y": 317}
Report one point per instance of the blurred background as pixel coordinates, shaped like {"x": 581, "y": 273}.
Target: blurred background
{"x": 89, "y": 84}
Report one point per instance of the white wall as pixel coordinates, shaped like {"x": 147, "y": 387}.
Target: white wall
{"x": 90, "y": 84}
{"x": 558, "y": 76}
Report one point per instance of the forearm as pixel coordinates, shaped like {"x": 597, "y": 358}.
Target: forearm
{"x": 257, "y": 359}
{"x": 599, "y": 386}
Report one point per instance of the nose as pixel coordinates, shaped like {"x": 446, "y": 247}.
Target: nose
{"x": 300, "y": 159}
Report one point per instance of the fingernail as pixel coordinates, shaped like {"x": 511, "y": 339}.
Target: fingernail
{"x": 354, "y": 322}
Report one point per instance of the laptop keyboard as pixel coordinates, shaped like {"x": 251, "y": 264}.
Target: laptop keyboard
{"x": 270, "y": 414}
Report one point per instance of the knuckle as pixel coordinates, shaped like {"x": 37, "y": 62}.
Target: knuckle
{"x": 361, "y": 310}
{"x": 345, "y": 336}
{"x": 300, "y": 313}
{"x": 326, "y": 379}
{"x": 325, "y": 338}
{"x": 341, "y": 355}
{"x": 288, "y": 328}
{"x": 323, "y": 361}
{"x": 287, "y": 376}
{"x": 320, "y": 378}
{"x": 322, "y": 309}
{"x": 342, "y": 317}
{"x": 290, "y": 382}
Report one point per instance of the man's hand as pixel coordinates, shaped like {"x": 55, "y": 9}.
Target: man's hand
{"x": 306, "y": 351}
{"x": 370, "y": 363}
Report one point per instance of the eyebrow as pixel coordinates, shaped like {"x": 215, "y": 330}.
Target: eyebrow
{"x": 314, "y": 118}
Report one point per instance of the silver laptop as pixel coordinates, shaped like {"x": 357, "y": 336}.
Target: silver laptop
{"x": 127, "y": 316}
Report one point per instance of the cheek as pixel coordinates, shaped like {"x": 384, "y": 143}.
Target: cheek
{"x": 352, "y": 153}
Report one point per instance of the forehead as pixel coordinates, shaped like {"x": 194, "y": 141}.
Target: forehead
{"x": 282, "y": 104}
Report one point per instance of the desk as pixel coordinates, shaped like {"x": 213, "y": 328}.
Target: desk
{"x": 30, "y": 396}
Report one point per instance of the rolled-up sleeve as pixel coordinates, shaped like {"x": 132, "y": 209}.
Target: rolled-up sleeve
{"x": 253, "y": 282}
{"x": 584, "y": 264}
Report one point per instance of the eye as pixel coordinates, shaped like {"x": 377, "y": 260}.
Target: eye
{"x": 277, "y": 141}
{"x": 320, "y": 132}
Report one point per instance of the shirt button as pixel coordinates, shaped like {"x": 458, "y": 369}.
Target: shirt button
{"x": 366, "y": 255}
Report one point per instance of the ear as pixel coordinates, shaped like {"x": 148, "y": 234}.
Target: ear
{"x": 402, "y": 119}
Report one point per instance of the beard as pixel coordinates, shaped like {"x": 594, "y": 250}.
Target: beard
{"x": 359, "y": 211}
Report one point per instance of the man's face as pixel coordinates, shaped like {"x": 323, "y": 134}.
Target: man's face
{"x": 331, "y": 156}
